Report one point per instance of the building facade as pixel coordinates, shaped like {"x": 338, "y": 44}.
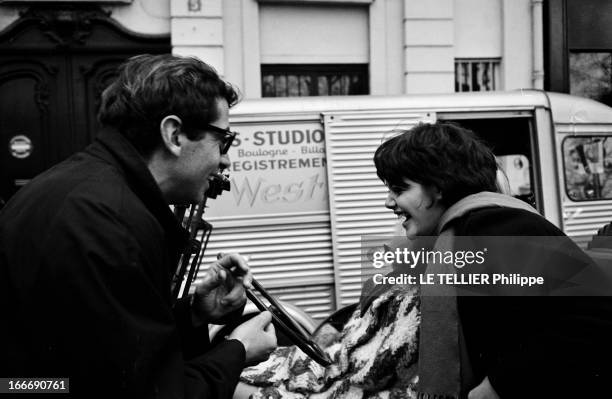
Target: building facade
{"x": 383, "y": 46}
{"x": 57, "y": 56}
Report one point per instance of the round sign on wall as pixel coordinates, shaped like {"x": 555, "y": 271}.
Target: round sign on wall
{"x": 20, "y": 146}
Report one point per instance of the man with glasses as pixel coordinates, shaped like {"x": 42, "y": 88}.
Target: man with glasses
{"x": 88, "y": 249}
{"x": 228, "y": 137}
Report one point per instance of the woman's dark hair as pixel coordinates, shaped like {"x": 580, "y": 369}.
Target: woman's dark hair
{"x": 151, "y": 87}
{"x": 441, "y": 155}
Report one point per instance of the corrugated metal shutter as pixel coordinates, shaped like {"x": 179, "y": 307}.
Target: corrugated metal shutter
{"x": 356, "y": 195}
{"x": 317, "y": 301}
{"x": 582, "y": 219}
{"x": 291, "y": 260}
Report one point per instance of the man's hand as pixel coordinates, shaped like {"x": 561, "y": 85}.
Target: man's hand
{"x": 258, "y": 337}
{"x": 483, "y": 391}
{"x": 222, "y": 290}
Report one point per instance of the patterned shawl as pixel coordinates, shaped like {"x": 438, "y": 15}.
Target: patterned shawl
{"x": 374, "y": 356}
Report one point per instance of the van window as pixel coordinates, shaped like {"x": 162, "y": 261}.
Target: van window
{"x": 587, "y": 165}
{"x": 510, "y": 140}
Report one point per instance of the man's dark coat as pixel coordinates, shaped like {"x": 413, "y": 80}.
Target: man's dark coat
{"x": 87, "y": 252}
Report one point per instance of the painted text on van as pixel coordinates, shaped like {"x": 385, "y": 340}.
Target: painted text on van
{"x": 271, "y": 192}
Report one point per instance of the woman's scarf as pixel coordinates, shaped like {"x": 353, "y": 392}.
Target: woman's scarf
{"x": 444, "y": 369}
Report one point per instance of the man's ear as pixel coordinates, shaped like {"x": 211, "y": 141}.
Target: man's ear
{"x": 170, "y": 130}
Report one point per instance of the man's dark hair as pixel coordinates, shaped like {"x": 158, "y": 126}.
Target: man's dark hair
{"x": 441, "y": 155}
{"x": 151, "y": 87}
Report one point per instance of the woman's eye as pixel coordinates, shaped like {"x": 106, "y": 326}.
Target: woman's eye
{"x": 397, "y": 189}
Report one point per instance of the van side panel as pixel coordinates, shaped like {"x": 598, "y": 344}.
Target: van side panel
{"x": 293, "y": 261}
{"x": 277, "y": 213}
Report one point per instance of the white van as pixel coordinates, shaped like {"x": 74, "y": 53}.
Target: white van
{"x": 304, "y": 188}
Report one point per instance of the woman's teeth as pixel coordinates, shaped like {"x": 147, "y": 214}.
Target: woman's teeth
{"x": 403, "y": 216}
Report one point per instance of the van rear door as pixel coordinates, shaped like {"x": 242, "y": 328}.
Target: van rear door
{"x": 356, "y": 195}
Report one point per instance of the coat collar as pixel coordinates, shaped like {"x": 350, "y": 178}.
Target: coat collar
{"x": 480, "y": 200}
{"x": 111, "y": 146}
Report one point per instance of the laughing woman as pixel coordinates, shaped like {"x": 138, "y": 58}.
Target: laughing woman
{"x": 442, "y": 182}
{"x": 415, "y": 342}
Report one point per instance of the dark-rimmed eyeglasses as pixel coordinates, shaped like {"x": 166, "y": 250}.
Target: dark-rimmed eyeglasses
{"x": 228, "y": 136}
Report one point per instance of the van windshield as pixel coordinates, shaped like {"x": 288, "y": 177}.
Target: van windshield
{"x": 587, "y": 167}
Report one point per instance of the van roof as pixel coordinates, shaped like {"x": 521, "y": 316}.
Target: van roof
{"x": 573, "y": 109}
{"x": 566, "y": 108}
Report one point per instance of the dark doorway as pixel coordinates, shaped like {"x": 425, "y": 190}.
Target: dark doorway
{"x": 54, "y": 65}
